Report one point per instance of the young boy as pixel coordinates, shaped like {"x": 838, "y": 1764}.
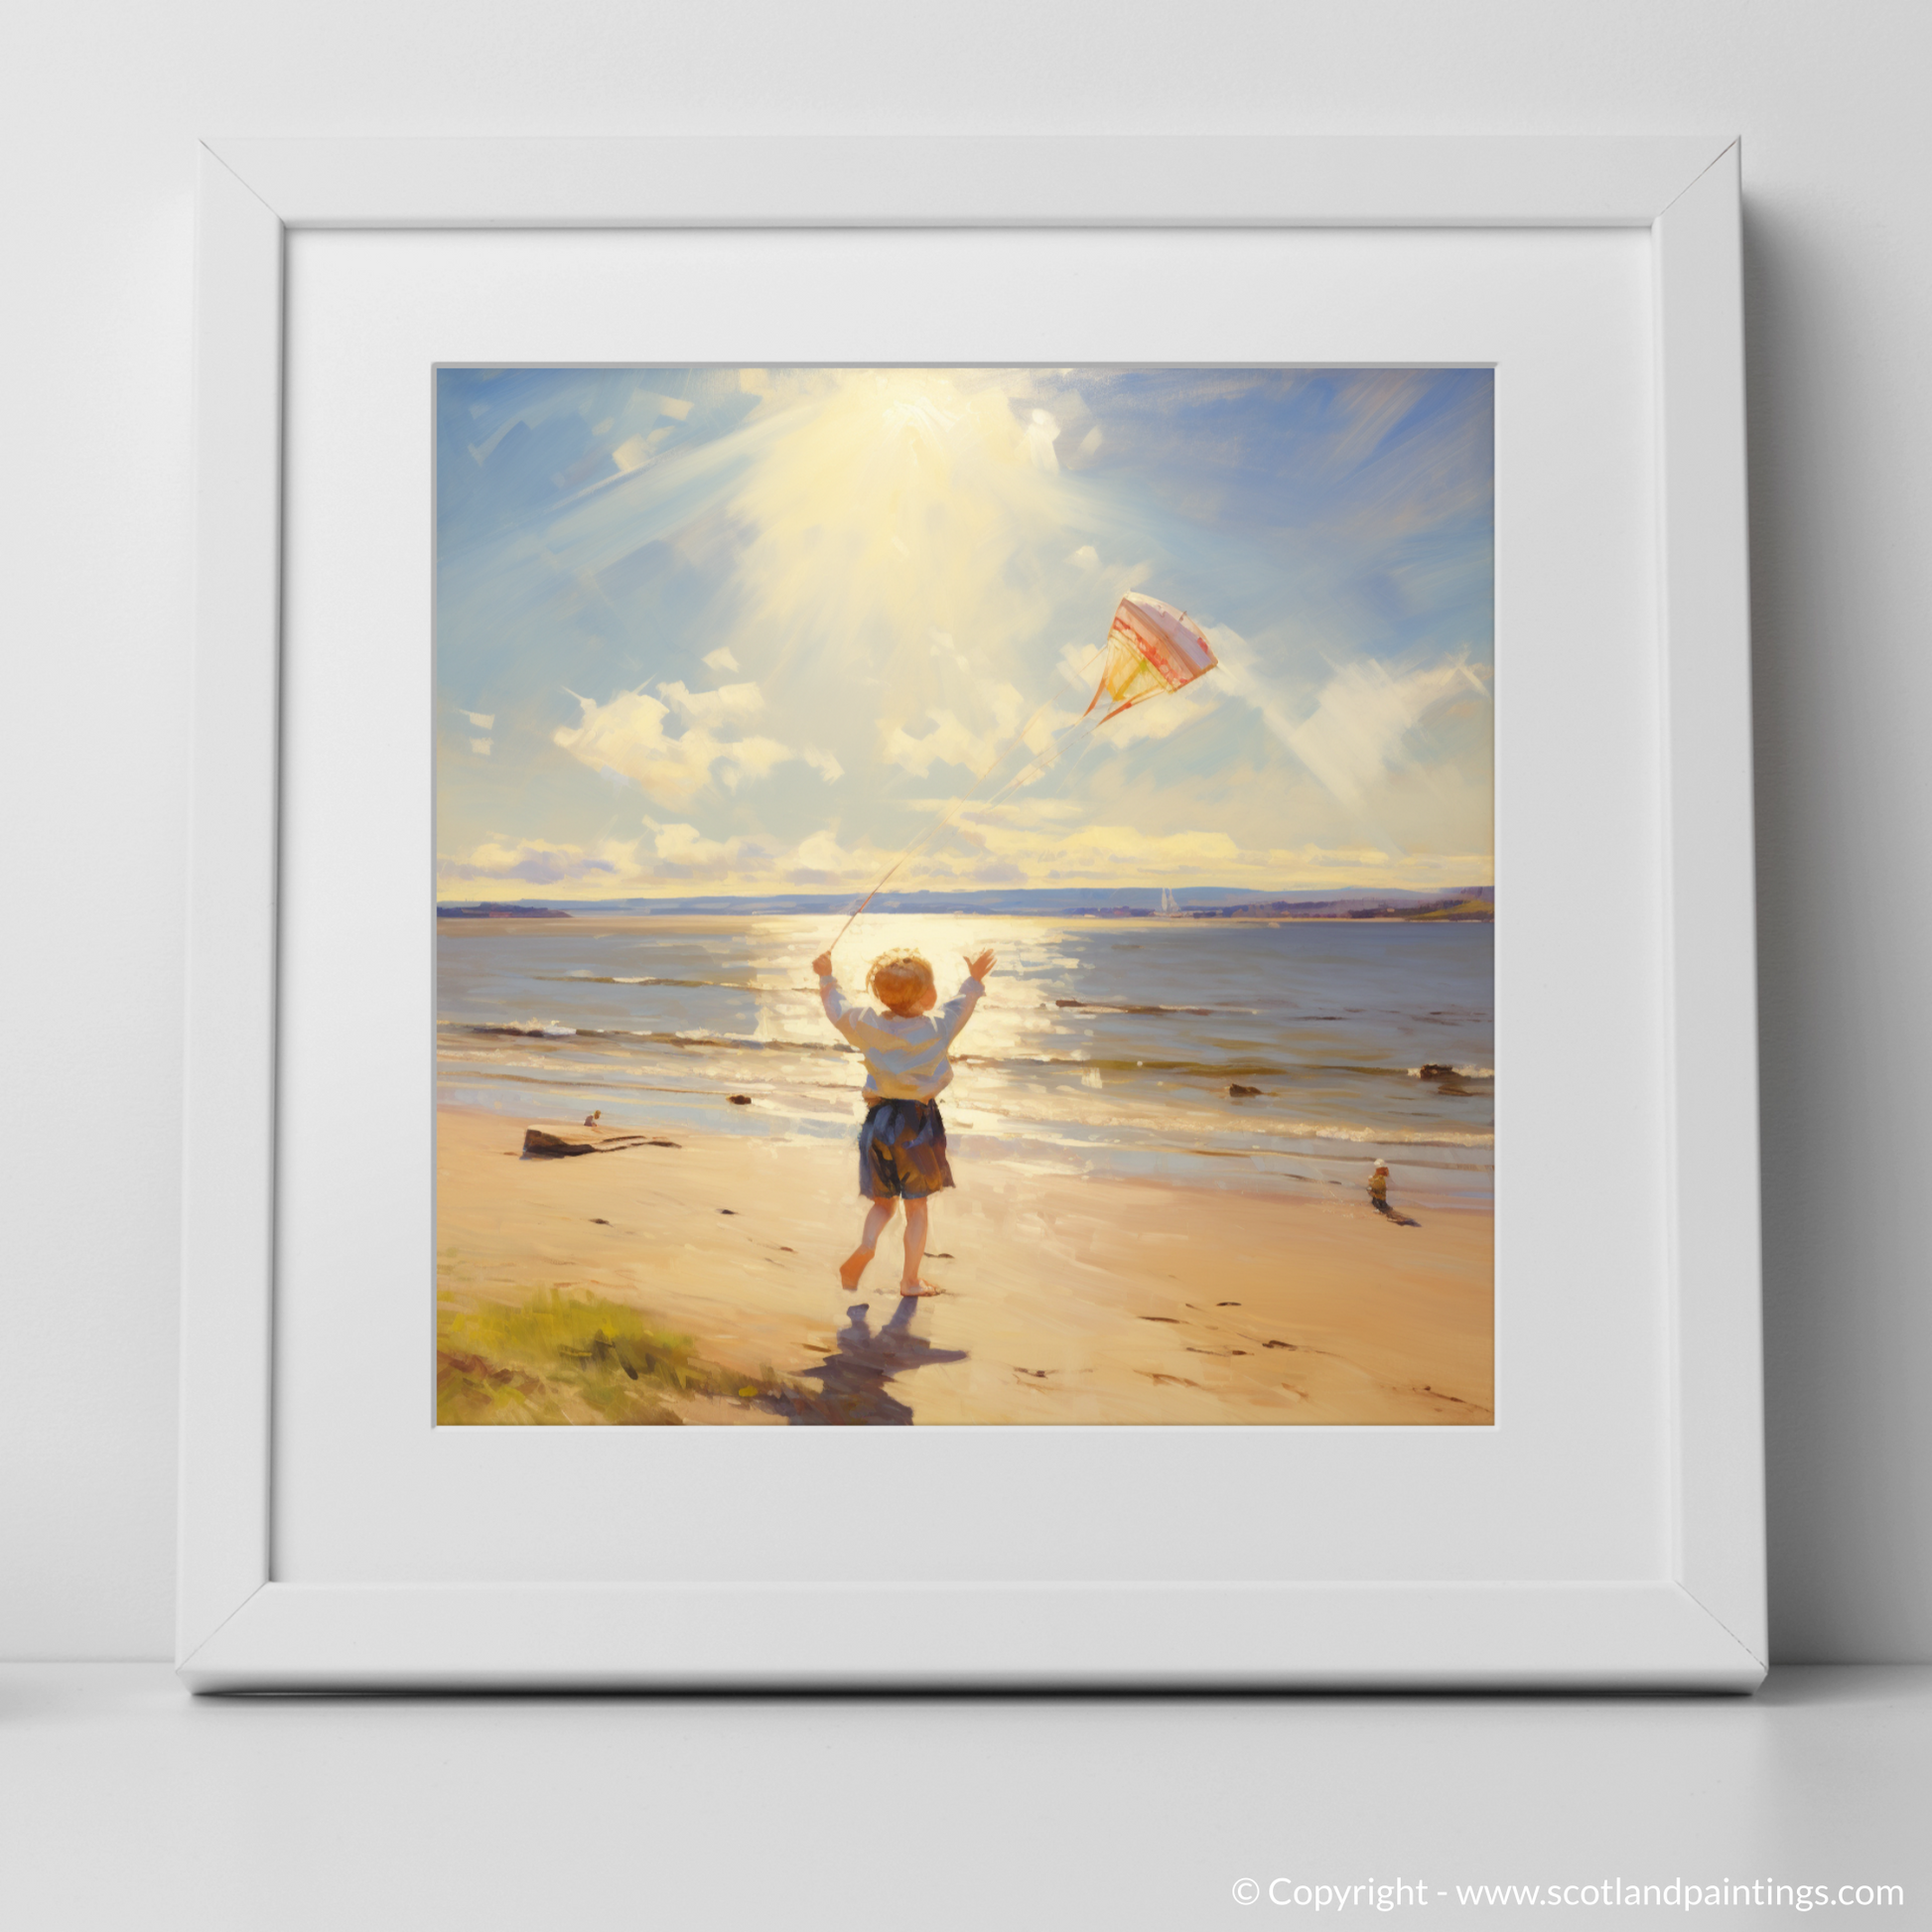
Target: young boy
{"x": 903, "y": 1144}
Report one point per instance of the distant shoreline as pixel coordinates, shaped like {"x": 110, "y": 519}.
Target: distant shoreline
{"x": 1192, "y": 918}
{"x": 1471, "y": 904}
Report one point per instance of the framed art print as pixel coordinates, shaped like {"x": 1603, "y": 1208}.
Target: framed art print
{"x": 991, "y": 932}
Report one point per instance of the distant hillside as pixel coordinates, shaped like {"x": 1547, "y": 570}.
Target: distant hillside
{"x": 500, "y": 911}
{"x": 1462, "y": 903}
{"x": 1077, "y": 901}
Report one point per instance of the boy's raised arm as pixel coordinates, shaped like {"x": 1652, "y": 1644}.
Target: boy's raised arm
{"x": 959, "y": 1009}
{"x": 829, "y": 995}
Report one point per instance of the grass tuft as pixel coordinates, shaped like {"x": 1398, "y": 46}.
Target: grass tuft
{"x": 573, "y": 1357}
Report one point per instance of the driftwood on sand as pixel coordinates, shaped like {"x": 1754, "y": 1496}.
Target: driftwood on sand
{"x": 554, "y": 1143}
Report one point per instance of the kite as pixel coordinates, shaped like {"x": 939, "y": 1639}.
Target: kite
{"x": 1150, "y": 649}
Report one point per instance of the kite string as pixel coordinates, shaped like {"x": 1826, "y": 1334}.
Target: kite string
{"x": 1083, "y": 731}
{"x": 1080, "y": 733}
{"x": 960, "y": 804}
{"x": 933, "y": 830}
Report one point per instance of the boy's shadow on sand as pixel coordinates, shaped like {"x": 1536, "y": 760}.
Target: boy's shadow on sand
{"x": 852, "y": 1381}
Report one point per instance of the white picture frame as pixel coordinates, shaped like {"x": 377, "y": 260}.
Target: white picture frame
{"x": 1697, "y": 1622}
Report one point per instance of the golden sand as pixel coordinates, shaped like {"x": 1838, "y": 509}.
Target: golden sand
{"x": 1066, "y": 1300}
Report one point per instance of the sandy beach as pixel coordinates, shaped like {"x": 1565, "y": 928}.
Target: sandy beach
{"x": 697, "y": 1283}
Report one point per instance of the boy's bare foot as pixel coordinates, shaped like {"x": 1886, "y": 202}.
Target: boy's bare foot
{"x": 913, "y": 1290}
{"x": 852, "y": 1267}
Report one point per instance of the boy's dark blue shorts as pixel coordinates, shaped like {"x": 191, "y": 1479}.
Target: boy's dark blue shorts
{"x": 902, "y": 1151}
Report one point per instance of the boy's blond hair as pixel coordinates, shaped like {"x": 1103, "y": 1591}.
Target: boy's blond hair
{"x": 898, "y": 979}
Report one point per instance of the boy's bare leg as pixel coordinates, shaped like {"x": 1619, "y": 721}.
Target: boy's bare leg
{"x": 853, "y": 1265}
{"x": 916, "y": 1226}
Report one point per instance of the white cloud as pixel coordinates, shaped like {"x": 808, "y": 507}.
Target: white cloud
{"x": 721, "y": 659}
{"x": 1109, "y": 851}
{"x": 637, "y": 451}
{"x": 480, "y": 746}
{"x": 627, "y": 736}
{"x": 825, "y": 765}
{"x": 1087, "y": 557}
{"x": 483, "y": 721}
{"x": 1361, "y": 722}
{"x": 1358, "y": 730}
{"x": 1006, "y": 845}
{"x": 821, "y": 853}
{"x": 673, "y": 407}
{"x": 684, "y": 847}
{"x": 730, "y": 703}
{"x": 678, "y": 857}
{"x": 1041, "y": 434}
{"x": 1019, "y": 811}
{"x": 950, "y": 741}
{"x": 538, "y": 862}
{"x": 1155, "y": 718}
{"x": 750, "y": 758}
{"x": 682, "y": 852}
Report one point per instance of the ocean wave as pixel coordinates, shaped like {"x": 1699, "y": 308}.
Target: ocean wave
{"x": 698, "y": 1039}
{"x": 625, "y": 1035}
{"x": 1436, "y": 1070}
{"x": 648, "y": 979}
{"x": 1278, "y": 1142}
{"x": 1385, "y": 1136}
{"x": 1121, "y": 1006}
{"x": 1232, "y": 1066}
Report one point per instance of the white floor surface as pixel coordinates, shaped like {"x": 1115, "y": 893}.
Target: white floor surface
{"x": 125, "y": 1803}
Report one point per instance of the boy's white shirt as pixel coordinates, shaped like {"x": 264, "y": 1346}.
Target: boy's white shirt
{"x": 905, "y": 1053}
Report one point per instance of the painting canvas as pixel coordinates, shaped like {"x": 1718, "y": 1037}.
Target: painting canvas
{"x": 964, "y": 896}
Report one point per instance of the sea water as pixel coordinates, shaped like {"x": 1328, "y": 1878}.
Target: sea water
{"x": 1102, "y": 1045}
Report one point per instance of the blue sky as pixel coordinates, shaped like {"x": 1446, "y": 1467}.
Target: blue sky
{"x": 746, "y": 631}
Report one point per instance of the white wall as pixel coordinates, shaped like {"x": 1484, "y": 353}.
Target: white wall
{"x": 101, "y": 105}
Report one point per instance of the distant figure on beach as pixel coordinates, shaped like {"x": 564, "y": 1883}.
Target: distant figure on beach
{"x": 1378, "y": 1196}
{"x": 903, "y": 1144}
{"x": 590, "y": 1119}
